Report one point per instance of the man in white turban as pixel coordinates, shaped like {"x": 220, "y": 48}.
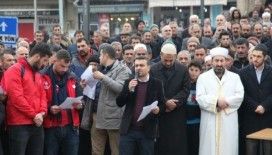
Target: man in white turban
{"x": 219, "y": 93}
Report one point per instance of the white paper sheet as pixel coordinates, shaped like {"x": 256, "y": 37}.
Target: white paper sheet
{"x": 87, "y": 74}
{"x": 147, "y": 109}
{"x": 89, "y": 90}
{"x": 69, "y": 101}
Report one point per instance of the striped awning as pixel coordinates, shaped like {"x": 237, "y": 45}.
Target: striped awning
{"x": 174, "y": 3}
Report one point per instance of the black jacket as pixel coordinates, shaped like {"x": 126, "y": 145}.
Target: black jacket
{"x": 172, "y": 125}
{"x": 256, "y": 94}
{"x": 154, "y": 93}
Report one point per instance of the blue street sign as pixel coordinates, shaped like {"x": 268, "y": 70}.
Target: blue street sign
{"x": 8, "y": 30}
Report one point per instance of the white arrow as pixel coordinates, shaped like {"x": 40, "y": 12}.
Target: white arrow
{"x": 3, "y": 25}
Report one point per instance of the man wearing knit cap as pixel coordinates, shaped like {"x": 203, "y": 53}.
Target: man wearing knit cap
{"x": 140, "y": 26}
{"x": 219, "y": 94}
{"x": 154, "y": 30}
{"x": 156, "y": 41}
{"x": 172, "y": 122}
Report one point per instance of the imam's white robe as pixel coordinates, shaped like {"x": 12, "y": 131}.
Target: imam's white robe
{"x": 219, "y": 130}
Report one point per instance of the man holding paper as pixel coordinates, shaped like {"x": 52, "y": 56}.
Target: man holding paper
{"x": 138, "y": 94}
{"x": 108, "y": 118}
{"x": 61, "y": 124}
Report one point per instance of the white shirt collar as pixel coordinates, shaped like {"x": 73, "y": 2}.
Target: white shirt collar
{"x": 259, "y": 69}
{"x": 147, "y": 79}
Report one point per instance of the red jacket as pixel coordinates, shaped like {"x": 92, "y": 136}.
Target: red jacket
{"x": 71, "y": 90}
{"x": 26, "y": 96}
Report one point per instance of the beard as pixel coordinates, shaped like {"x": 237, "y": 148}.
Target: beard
{"x": 82, "y": 53}
{"x": 36, "y": 67}
{"x": 245, "y": 35}
{"x": 219, "y": 70}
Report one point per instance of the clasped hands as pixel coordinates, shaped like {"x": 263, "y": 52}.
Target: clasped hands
{"x": 171, "y": 105}
{"x": 222, "y": 104}
{"x": 38, "y": 119}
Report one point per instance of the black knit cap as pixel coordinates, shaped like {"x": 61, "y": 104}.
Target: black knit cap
{"x": 93, "y": 58}
{"x": 138, "y": 22}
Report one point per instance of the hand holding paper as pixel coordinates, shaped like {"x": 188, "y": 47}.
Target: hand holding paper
{"x": 70, "y": 101}
{"x": 147, "y": 110}
{"x": 89, "y": 82}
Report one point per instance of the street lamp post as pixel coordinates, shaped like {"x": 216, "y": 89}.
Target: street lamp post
{"x": 35, "y": 16}
{"x": 202, "y": 11}
{"x": 61, "y": 17}
{"x": 86, "y": 18}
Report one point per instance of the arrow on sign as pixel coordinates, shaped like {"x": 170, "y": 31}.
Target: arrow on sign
{"x": 3, "y": 26}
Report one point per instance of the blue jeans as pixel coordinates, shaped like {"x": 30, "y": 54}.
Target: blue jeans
{"x": 136, "y": 140}
{"x": 61, "y": 140}
{"x": 26, "y": 139}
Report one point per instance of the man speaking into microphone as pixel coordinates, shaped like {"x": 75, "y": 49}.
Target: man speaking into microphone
{"x": 137, "y": 93}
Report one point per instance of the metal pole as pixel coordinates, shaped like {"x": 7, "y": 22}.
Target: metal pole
{"x": 202, "y": 11}
{"x": 35, "y": 16}
{"x": 86, "y": 18}
{"x": 61, "y": 17}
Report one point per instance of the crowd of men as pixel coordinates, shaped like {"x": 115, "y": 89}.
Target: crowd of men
{"x": 212, "y": 85}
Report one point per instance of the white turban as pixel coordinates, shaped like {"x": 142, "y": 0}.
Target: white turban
{"x": 219, "y": 51}
{"x": 169, "y": 48}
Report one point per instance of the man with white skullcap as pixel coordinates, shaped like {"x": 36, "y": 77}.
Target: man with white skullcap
{"x": 207, "y": 63}
{"x": 172, "y": 122}
{"x": 219, "y": 94}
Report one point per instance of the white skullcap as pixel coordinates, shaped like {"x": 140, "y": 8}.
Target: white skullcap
{"x": 169, "y": 48}
{"x": 137, "y": 46}
{"x": 232, "y": 9}
{"x": 266, "y": 14}
{"x": 219, "y": 51}
{"x": 207, "y": 58}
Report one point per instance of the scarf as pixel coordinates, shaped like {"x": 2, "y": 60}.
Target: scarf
{"x": 59, "y": 90}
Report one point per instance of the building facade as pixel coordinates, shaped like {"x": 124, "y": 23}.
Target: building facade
{"x": 48, "y": 14}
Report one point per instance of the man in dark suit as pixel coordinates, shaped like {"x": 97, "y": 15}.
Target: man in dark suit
{"x": 136, "y": 94}
{"x": 176, "y": 82}
{"x": 256, "y": 110}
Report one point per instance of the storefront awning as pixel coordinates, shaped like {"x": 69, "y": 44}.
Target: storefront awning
{"x": 174, "y": 3}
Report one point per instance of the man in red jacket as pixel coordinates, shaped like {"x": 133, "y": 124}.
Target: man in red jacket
{"x": 26, "y": 105}
{"x": 61, "y": 125}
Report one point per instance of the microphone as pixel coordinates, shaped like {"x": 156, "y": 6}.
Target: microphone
{"x": 135, "y": 77}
